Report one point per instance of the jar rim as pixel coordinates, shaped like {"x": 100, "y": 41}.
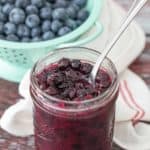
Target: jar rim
{"x": 99, "y": 97}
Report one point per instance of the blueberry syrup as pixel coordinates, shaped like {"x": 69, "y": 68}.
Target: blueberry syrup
{"x": 67, "y": 80}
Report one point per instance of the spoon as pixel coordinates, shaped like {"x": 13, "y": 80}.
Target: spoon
{"x": 135, "y": 8}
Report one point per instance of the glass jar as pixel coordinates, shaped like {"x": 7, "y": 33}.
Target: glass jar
{"x": 71, "y": 125}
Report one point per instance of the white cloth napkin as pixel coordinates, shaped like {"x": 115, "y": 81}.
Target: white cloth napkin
{"x": 133, "y": 103}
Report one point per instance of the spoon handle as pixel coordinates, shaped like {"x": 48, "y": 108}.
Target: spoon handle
{"x": 135, "y": 8}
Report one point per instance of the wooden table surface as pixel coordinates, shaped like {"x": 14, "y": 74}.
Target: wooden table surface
{"x": 9, "y": 92}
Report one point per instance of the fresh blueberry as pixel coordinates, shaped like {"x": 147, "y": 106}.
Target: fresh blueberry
{"x": 23, "y": 31}
{"x": 17, "y": 16}
{"x": 56, "y": 25}
{"x": 1, "y": 27}
{"x": 71, "y": 12}
{"x": 59, "y": 13}
{"x": 76, "y": 7}
{"x": 36, "y": 32}
{"x": 46, "y": 26}
{"x": 3, "y": 2}
{"x": 1, "y": 8}
{"x": 71, "y": 23}
{"x": 48, "y": 35}
{"x": 36, "y": 39}
{"x": 38, "y": 3}
{"x": 61, "y": 3}
{"x": 45, "y": 13}
{"x": 32, "y": 21}
{"x": 80, "y": 3}
{"x": 12, "y": 37}
{"x": 31, "y": 9}
{"x": 83, "y": 14}
{"x": 2, "y": 37}
{"x": 64, "y": 30}
{"x": 10, "y": 28}
{"x": 11, "y": 1}
{"x": 22, "y": 3}
{"x": 48, "y": 4}
{"x": 7, "y": 8}
{"x": 25, "y": 39}
{"x": 3, "y": 17}
{"x": 79, "y": 22}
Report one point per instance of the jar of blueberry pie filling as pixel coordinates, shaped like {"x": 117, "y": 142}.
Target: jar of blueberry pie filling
{"x": 73, "y": 125}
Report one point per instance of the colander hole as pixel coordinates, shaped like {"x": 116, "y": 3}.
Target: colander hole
{"x": 15, "y": 55}
{"x": 6, "y": 52}
{"x": 17, "y": 60}
{"x": 21, "y": 54}
{"x": 14, "y": 50}
{"x": 24, "y": 58}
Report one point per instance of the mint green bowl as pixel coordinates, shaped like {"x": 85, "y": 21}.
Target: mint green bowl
{"x": 16, "y": 58}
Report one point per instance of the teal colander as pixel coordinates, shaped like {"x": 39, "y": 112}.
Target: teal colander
{"x": 16, "y": 58}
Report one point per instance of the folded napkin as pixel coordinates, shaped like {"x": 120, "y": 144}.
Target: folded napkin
{"x": 131, "y": 131}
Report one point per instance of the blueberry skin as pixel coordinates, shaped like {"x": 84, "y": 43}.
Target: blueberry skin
{"x": 46, "y": 26}
{"x": 48, "y": 4}
{"x": 10, "y": 28}
{"x": 56, "y": 25}
{"x": 3, "y": 17}
{"x": 71, "y": 12}
{"x": 2, "y": 37}
{"x": 36, "y": 39}
{"x": 59, "y": 13}
{"x": 7, "y": 8}
{"x": 25, "y": 39}
{"x": 17, "y": 16}
{"x": 38, "y": 3}
{"x": 12, "y": 37}
{"x": 1, "y": 27}
{"x": 71, "y": 23}
{"x": 31, "y": 9}
{"x": 36, "y": 32}
{"x": 48, "y": 35}
{"x": 45, "y": 13}
{"x": 23, "y": 31}
{"x": 79, "y": 22}
{"x": 61, "y": 4}
{"x": 83, "y": 14}
{"x": 80, "y": 3}
{"x": 64, "y": 30}
{"x": 32, "y": 21}
{"x": 22, "y": 3}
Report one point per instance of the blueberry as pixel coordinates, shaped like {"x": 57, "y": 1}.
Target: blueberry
{"x": 71, "y": 12}
{"x": 25, "y": 39}
{"x": 79, "y": 22}
{"x": 80, "y": 3}
{"x": 1, "y": 27}
{"x": 45, "y": 13}
{"x": 61, "y": 3}
{"x": 3, "y": 17}
{"x": 63, "y": 63}
{"x": 32, "y": 21}
{"x": 75, "y": 7}
{"x": 64, "y": 30}
{"x": 36, "y": 32}
{"x": 83, "y": 14}
{"x": 31, "y": 9}
{"x": 22, "y": 3}
{"x": 56, "y": 25}
{"x": 17, "y": 16}
{"x": 46, "y": 26}
{"x": 36, "y": 39}
{"x": 48, "y": 4}
{"x": 1, "y": 8}
{"x": 71, "y": 23}
{"x": 48, "y": 35}
{"x": 10, "y": 28}
{"x": 75, "y": 64}
{"x": 59, "y": 13}
{"x": 2, "y": 37}
{"x": 12, "y": 37}
{"x": 23, "y": 31}
{"x": 11, "y": 1}
{"x": 7, "y": 8}
{"x": 38, "y": 3}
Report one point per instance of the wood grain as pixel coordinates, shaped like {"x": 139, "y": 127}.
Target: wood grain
{"x": 9, "y": 94}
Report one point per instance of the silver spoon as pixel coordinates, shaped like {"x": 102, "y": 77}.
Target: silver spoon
{"x": 135, "y": 8}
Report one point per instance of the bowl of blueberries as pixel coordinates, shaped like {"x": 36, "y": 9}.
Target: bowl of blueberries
{"x": 31, "y": 28}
